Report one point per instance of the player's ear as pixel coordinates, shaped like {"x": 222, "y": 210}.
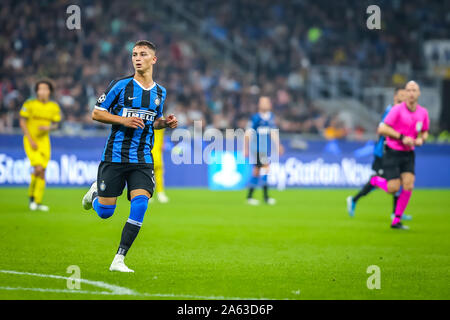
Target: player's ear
{"x": 154, "y": 59}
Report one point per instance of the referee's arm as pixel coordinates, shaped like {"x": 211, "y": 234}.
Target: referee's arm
{"x": 388, "y": 131}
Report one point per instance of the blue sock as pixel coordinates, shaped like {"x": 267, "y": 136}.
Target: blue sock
{"x": 133, "y": 225}
{"x": 104, "y": 211}
{"x": 138, "y": 207}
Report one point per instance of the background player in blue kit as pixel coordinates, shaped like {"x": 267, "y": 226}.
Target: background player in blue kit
{"x": 134, "y": 107}
{"x": 377, "y": 165}
{"x": 258, "y": 145}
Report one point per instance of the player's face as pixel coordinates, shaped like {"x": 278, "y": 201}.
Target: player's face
{"x": 43, "y": 92}
{"x": 400, "y": 96}
{"x": 143, "y": 58}
{"x": 264, "y": 105}
{"x": 412, "y": 91}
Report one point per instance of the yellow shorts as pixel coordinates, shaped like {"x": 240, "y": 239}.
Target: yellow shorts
{"x": 40, "y": 156}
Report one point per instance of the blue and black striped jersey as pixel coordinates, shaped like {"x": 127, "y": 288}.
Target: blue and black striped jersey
{"x": 262, "y": 124}
{"x": 126, "y": 97}
{"x": 379, "y": 146}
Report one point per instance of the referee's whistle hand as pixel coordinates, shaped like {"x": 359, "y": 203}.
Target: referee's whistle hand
{"x": 133, "y": 122}
{"x": 408, "y": 141}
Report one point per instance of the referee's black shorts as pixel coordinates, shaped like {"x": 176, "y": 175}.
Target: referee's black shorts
{"x": 112, "y": 177}
{"x": 396, "y": 162}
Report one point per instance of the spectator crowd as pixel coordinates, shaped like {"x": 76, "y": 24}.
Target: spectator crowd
{"x": 285, "y": 38}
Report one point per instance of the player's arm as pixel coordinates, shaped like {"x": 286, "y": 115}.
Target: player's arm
{"x": 26, "y": 132}
{"x": 161, "y": 123}
{"x": 52, "y": 127}
{"x": 101, "y": 112}
{"x": 275, "y": 136}
{"x": 170, "y": 122}
{"x": 25, "y": 113}
{"x": 104, "y": 116}
{"x": 247, "y": 143}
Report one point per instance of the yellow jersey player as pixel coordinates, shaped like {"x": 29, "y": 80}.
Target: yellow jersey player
{"x": 37, "y": 118}
{"x": 159, "y": 166}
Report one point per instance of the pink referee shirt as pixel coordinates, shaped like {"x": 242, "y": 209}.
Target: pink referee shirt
{"x": 408, "y": 123}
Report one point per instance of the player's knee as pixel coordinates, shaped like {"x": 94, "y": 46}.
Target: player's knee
{"x": 393, "y": 187}
{"x": 139, "y": 206}
{"x": 105, "y": 211}
{"x": 408, "y": 185}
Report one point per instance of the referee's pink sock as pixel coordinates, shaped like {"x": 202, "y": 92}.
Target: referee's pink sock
{"x": 402, "y": 203}
{"x": 379, "y": 182}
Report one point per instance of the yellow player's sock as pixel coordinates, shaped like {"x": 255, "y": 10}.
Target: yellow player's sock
{"x": 32, "y": 186}
{"x": 159, "y": 173}
{"x": 39, "y": 190}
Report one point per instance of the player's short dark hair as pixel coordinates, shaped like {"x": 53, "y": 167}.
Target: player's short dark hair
{"x": 145, "y": 43}
{"x": 48, "y": 82}
{"x": 398, "y": 88}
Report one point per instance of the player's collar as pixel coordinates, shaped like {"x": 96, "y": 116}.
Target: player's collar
{"x": 265, "y": 115}
{"x": 140, "y": 85}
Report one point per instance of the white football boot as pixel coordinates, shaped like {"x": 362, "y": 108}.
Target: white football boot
{"x": 252, "y": 201}
{"x": 41, "y": 207}
{"x": 271, "y": 201}
{"x": 118, "y": 264}
{"x": 87, "y": 199}
{"x": 162, "y": 197}
{"x": 33, "y": 206}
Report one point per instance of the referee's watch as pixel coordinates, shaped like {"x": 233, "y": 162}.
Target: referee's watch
{"x": 401, "y": 137}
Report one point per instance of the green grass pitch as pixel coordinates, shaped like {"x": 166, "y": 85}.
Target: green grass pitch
{"x": 207, "y": 244}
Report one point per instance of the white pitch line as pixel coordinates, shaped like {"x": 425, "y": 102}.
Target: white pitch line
{"x": 55, "y": 290}
{"x": 115, "y": 290}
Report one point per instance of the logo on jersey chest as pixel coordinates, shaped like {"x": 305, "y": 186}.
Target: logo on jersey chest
{"x": 139, "y": 113}
{"x": 419, "y": 126}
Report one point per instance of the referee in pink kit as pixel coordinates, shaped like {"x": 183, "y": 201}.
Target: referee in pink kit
{"x": 405, "y": 127}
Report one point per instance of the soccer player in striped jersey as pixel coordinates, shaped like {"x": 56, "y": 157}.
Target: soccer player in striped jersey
{"x": 377, "y": 165}
{"x": 133, "y": 105}
{"x": 262, "y": 125}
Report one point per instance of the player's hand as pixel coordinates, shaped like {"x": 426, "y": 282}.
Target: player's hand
{"x": 45, "y": 128}
{"x": 418, "y": 142}
{"x": 133, "y": 122}
{"x": 280, "y": 150}
{"x": 172, "y": 121}
{"x": 33, "y": 144}
{"x": 408, "y": 141}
